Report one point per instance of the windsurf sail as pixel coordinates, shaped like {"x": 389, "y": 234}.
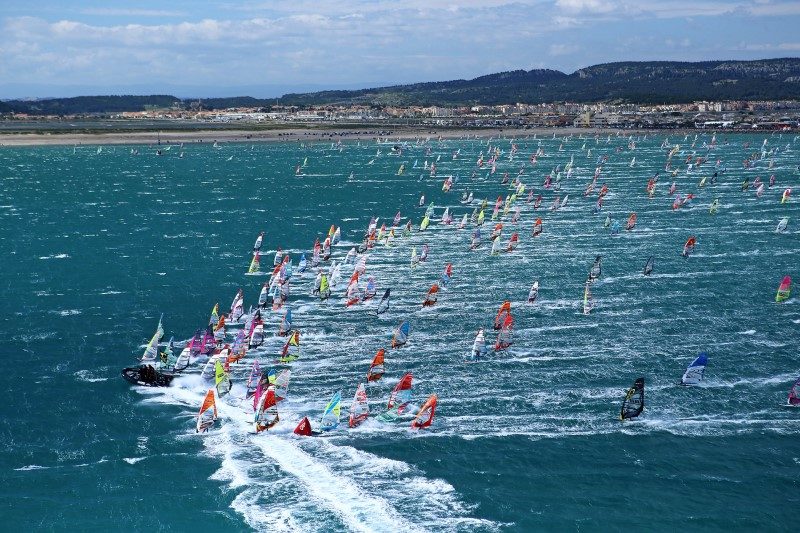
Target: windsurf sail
{"x": 303, "y": 428}
{"x": 259, "y": 240}
{"x": 782, "y": 225}
{"x": 376, "y": 368}
{"x": 794, "y": 394}
{"x": 688, "y": 248}
{"x": 151, "y": 351}
{"x": 353, "y": 291}
{"x": 401, "y": 334}
{"x": 633, "y": 404}
{"x": 383, "y": 305}
{"x": 222, "y": 379}
{"x": 237, "y": 306}
{"x": 359, "y": 409}
{"x": 478, "y": 347}
{"x": 504, "y": 337}
{"x": 168, "y": 358}
{"x": 286, "y": 323}
{"x": 596, "y": 270}
{"x": 331, "y": 414}
{"x": 370, "y": 290}
{"x": 784, "y": 289}
{"x": 324, "y": 288}
{"x": 267, "y": 412}
{"x": 534, "y": 292}
{"x": 648, "y": 267}
{"x": 253, "y": 379}
{"x": 401, "y": 394}
{"x": 631, "y": 222}
{"x": 214, "y": 315}
{"x": 425, "y": 223}
{"x": 254, "y": 263}
{"x": 431, "y": 297}
{"x": 219, "y": 330}
{"x": 537, "y": 227}
{"x": 495, "y": 247}
{"x": 425, "y": 414}
{"x": 208, "y": 413}
{"x": 502, "y": 313}
{"x": 694, "y": 372}
{"x": 287, "y": 354}
{"x": 256, "y": 337}
{"x": 282, "y": 384}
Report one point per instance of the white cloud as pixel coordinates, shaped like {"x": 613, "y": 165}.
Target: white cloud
{"x": 590, "y": 6}
{"x": 563, "y": 49}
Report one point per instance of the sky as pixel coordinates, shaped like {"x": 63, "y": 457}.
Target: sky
{"x": 197, "y": 48}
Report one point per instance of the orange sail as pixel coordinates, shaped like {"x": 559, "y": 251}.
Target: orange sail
{"x": 502, "y": 313}
{"x": 430, "y": 299}
{"x": 208, "y": 412}
{"x": 376, "y": 369}
{"x": 631, "y": 221}
{"x": 424, "y": 417}
{"x": 537, "y": 227}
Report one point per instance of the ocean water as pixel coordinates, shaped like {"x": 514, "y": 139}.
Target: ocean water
{"x": 96, "y": 246}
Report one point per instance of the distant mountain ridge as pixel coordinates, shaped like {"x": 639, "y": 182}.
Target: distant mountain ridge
{"x": 645, "y": 82}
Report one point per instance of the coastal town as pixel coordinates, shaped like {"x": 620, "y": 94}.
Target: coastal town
{"x": 724, "y": 115}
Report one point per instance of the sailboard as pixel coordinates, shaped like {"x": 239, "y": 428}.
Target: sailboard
{"x": 253, "y": 379}
{"x": 383, "y": 305}
{"x": 502, "y": 313}
{"x": 596, "y": 270}
{"x": 425, "y": 414}
{"x": 784, "y": 290}
{"x": 534, "y": 292}
{"x": 324, "y": 288}
{"x": 287, "y": 354}
{"x": 478, "y": 347}
{"x": 400, "y": 396}
{"x": 688, "y": 248}
{"x": 648, "y": 267}
{"x": 353, "y": 291}
{"x": 376, "y": 368}
{"x": 267, "y": 413}
{"x": 304, "y": 428}
{"x": 237, "y": 306}
{"x": 631, "y": 222}
{"x": 208, "y": 413}
{"x": 695, "y": 371}
{"x": 359, "y": 409}
{"x": 400, "y": 336}
{"x": 633, "y": 404}
{"x": 332, "y": 413}
{"x": 222, "y": 379}
{"x": 254, "y": 263}
{"x": 431, "y": 297}
{"x": 282, "y": 384}
{"x": 286, "y": 323}
{"x": 151, "y": 351}
{"x": 504, "y": 337}
{"x": 794, "y": 394}
{"x": 259, "y": 240}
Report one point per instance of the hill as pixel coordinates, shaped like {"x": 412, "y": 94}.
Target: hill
{"x": 636, "y": 82}
{"x": 648, "y": 82}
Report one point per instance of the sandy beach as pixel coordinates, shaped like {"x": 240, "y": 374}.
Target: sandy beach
{"x": 368, "y": 132}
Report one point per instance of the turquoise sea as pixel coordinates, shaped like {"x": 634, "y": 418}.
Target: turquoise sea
{"x": 97, "y": 244}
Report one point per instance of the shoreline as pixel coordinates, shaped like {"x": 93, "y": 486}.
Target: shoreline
{"x": 152, "y": 137}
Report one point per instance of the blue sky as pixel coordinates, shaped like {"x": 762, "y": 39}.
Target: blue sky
{"x": 265, "y": 48}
